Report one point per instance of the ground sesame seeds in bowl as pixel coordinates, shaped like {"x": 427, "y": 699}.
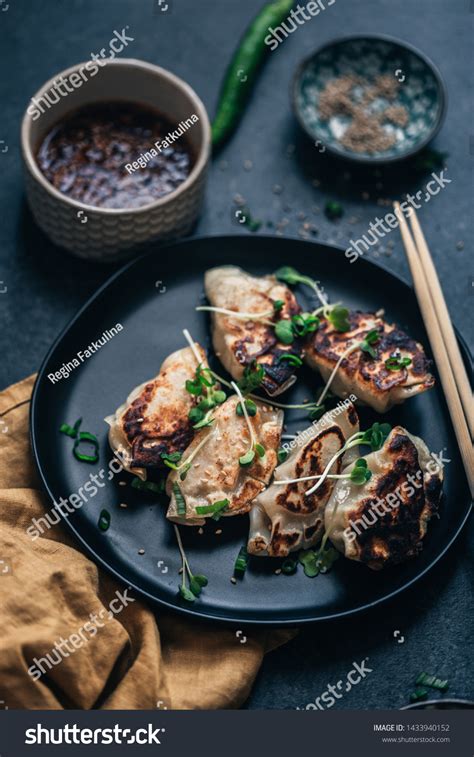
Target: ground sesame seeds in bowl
{"x": 370, "y": 99}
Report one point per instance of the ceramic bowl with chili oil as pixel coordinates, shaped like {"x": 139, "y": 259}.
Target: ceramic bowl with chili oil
{"x": 115, "y": 156}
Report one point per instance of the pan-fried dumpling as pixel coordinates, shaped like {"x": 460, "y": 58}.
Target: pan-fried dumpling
{"x": 239, "y": 342}
{"x": 365, "y": 376}
{"x": 154, "y": 419}
{"x": 215, "y": 474}
{"x": 384, "y": 521}
{"x": 283, "y": 518}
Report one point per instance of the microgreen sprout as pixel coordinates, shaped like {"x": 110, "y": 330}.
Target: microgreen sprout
{"x": 374, "y": 437}
{"x": 290, "y": 276}
{"x": 255, "y": 447}
{"x": 171, "y": 460}
{"x": 397, "y": 363}
{"x": 365, "y": 345}
{"x": 196, "y": 582}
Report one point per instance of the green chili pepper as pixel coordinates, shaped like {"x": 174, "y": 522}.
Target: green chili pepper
{"x": 243, "y": 68}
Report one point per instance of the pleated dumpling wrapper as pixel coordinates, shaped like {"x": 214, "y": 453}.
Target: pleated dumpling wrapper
{"x": 154, "y": 419}
{"x": 367, "y": 373}
{"x": 213, "y": 476}
{"x": 383, "y": 522}
{"x": 238, "y": 342}
{"x": 283, "y": 519}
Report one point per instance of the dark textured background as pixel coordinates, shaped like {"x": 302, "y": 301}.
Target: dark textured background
{"x": 45, "y": 286}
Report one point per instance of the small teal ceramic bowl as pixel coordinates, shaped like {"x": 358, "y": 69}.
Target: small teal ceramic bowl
{"x": 393, "y": 82}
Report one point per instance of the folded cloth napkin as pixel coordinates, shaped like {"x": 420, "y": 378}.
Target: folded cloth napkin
{"x": 49, "y": 590}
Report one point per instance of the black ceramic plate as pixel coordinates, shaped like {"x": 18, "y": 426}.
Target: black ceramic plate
{"x": 152, "y": 321}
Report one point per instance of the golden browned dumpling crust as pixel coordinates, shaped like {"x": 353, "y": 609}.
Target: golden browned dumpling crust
{"x": 384, "y": 521}
{"x": 215, "y": 474}
{"x": 238, "y": 343}
{"x": 283, "y": 518}
{"x": 154, "y": 419}
{"x": 365, "y": 376}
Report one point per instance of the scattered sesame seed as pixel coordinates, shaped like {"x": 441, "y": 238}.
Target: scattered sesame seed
{"x": 200, "y": 531}
{"x": 233, "y": 580}
{"x": 123, "y": 504}
{"x": 239, "y": 200}
{"x": 122, "y": 483}
{"x": 219, "y": 531}
{"x": 180, "y": 570}
{"x": 278, "y": 571}
{"x": 141, "y": 551}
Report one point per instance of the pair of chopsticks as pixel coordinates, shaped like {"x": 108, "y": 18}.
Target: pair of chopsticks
{"x": 442, "y": 338}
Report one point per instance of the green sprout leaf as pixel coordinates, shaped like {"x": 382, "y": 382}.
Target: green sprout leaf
{"x": 252, "y": 378}
{"x": 339, "y": 318}
{"x": 284, "y": 332}
{"x": 360, "y": 473}
{"x": 187, "y": 594}
{"x": 371, "y": 338}
{"x": 248, "y": 458}
{"x": 260, "y": 450}
{"x": 304, "y": 324}
{"x": 278, "y": 305}
{"x": 376, "y": 435}
{"x": 250, "y": 406}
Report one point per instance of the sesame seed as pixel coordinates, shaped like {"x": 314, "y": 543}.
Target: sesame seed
{"x": 278, "y": 571}
{"x": 233, "y": 580}
{"x": 141, "y": 551}
{"x": 219, "y": 531}
{"x": 123, "y": 504}
{"x": 122, "y": 483}
{"x": 200, "y": 531}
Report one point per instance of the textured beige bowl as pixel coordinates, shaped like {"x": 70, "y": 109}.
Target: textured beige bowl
{"x": 109, "y": 234}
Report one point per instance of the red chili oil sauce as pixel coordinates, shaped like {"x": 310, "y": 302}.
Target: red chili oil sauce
{"x": 85, "y": 155}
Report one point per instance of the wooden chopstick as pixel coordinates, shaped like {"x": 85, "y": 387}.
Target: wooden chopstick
{"x": 445, "y": 324}
{"x": 438, "y": 348}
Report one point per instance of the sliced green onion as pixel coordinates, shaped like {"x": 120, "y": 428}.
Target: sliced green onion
{"x": 291, "y": 359}
{"x": 307, "y": 558}
{"x": 180, "y": 501}
{"x": 241, "y": 562}
{"x": 419, "y": 695}
{"x": 289, "y": 567}
{"x": 85, "y": 436}
{"x": 215, "y": 508}
{"x": 184, "y": 471}
{"x": 104, "y": 520}
{"x": 282, "y": 454}
{"x": 70, "y": 430}
{"x": 151, "y": 486}
{"x": 425, "y": 679}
